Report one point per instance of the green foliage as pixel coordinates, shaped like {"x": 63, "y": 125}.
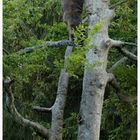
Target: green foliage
{"x": 26, "y": 19}
{"x": 124, "y": 26}
{"x": 80, "y": 34}
{"x": 76, "y": 60}
{"x": 128, "y": 79}
{"x": 57, "y": 32}
{"x": 70, "y": 130}
{"x": 123, "y": 116}
{"x": 36, "y": 80}
{"x": 119, "y": 119}
{"x": 30, "y": 23}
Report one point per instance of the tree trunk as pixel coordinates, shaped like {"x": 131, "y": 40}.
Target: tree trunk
{"x": 95, "y": 77}
{"x": 58, "y": 107}
{"x": 94, "y": 81}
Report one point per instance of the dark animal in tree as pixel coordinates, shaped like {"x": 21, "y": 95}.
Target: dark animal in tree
{"x": 72, "y": 10}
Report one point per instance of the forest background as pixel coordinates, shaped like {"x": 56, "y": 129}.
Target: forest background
{"x": 24, "y": 29}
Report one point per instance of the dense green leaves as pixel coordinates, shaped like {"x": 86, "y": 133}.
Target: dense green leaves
{"x": 123, "y": 116}
{"x": 30, "y": 23}
{"x": 124, "y": 26}
{"x": 26, "y": 19}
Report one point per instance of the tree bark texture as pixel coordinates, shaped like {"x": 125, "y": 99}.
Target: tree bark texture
{"x": 95, "y": 74}
{"x": 58, "y": 107}
{"x": 95, "y": 77}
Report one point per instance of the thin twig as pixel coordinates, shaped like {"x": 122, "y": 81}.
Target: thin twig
{"x": 127, "y": 54}
{"x": 42, "y": 109}
{"x": 118, "y": 63}
{"x": 117, "y": 4}
{"x": 5, "y": 51}
{"x": 113, "y": 82}
{"x": 121, "y": 61}
{"x": 118, "y": 43}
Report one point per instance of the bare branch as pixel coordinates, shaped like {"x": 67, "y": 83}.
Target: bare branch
{"x": 48, "y": 44}
{"x": 113, "y": 82}
{"x": 117, "y": 4}
{"x": 118, "y": 43}
{"x": 118, "y": 63}
{"x": 128, "y": 54}
{"x": 5, "y": 51}
{"x": 121, "y": 61}
{"x": 60, "y": 43}
{"x": 41, "y": 130}
{"x": 42, "y": 109}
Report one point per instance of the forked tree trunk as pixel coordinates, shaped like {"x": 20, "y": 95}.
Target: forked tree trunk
{"x": 94, "y": 81}
{"x": 95, "y": 77}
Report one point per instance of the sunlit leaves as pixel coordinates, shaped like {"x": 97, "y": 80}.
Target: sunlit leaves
{"x": 124, "y": 26}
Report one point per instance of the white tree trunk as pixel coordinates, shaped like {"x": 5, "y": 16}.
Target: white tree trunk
{"x": 59, "y": 105}
{"x": 95, "y": 77}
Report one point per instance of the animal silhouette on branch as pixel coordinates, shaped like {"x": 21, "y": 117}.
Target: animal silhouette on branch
{"x": 72, "y": 10}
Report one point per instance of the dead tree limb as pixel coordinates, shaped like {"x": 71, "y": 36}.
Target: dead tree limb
{"x": 5, "y": 51}
{"x": 121, "y": 61}
{"x": 41, "y": 130}
{"x": 127, "y": 54}
{"x": 118, "y": 43}
{"x": 113, "y": 82}
{"x": 118, "y": 63}
{"x": 117, "y": 4}
{"x": 47, "y": 44}
{"x": 41, "y": 109}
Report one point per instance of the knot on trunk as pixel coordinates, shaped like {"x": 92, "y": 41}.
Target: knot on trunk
{"x": 80, "y": 118}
